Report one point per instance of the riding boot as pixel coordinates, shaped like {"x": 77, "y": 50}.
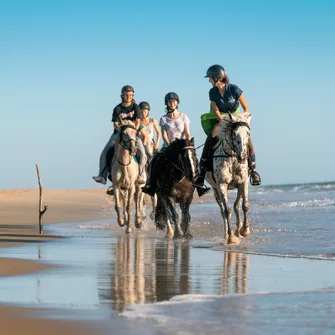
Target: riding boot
{"x": 255, "y": 178}
{"x": 199, "y": 179}
{"x": 150, "y": 186}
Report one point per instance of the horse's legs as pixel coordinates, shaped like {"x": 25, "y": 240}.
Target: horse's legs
{"x": 222, "y": 209}
{"x": 237, "y": 207}
{"x": 119, "y": 215}
{"x": 174, "y": 217}
{"x": 223, "y": 192}
{"x": 153, "y": 204}
{"x": 129, "y": 207}
{"x": 138, "y": 206}
{"x": 245, "y": 230}
{"x": 186, "y": 219}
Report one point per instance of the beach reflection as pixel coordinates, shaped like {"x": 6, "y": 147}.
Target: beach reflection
{"x": 146, "y": 270}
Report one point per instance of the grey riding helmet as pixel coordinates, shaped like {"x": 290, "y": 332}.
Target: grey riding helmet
{"x": 144, "y": 105}
{"x": 215, "y": 71}
{"x": 169, "y": 96}
{"x": 127, "y": 88}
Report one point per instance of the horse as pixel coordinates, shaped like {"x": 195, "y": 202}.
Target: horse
{"x": 230, "y": 171}
{"x": 174, "y": 185}
{"x": 124, "y": 175}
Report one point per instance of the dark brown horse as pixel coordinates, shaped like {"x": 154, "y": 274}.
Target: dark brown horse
{"x": 178, "y": 165}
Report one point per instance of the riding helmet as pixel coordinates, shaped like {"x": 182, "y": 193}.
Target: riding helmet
{"x": 127, "y": 88}
{"x": 144, "y": 105}
{"x": 215, "y": 71}
{"x": 171, "y": 95}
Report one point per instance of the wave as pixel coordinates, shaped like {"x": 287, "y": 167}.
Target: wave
{"x": 296, "y": 188}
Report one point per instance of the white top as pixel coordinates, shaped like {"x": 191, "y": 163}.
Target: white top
{"x": 175, "y": 128}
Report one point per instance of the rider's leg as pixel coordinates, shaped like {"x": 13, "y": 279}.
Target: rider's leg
{"x": 142, "y": 160}
{"x": 103, "y": 168}
{"x": 199, "y": 179}
{"x": 255, "y": 177}
{"x": 150, "y": 187}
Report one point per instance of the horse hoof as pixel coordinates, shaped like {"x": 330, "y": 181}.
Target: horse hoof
{"x": 128, "y": 231}
{"x": 188, "y": 236}
{"x": 121, "y": 224}
{"x": 138, "y": 225}
{"x": 237, "y": 233}
{"x": 245, "y": 231}
{"x": 233, "y": 240}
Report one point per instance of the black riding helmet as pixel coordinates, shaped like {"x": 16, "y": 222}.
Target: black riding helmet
{"x": 127, "y": 88}
{"x": 215, "y": 71}
{"x": 144, "y": 105}
{"x": 169, "y": 96}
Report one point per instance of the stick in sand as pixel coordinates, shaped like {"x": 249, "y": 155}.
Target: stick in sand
{"x": 40, "y": 210}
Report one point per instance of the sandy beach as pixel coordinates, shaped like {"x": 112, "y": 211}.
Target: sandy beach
{"x": 19, "y": 225}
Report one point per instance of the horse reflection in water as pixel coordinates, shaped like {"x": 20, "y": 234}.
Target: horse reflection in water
{"x": 145, "y": 270}
{"x": 235, "y": 273}
{"x": 148, "y": 270}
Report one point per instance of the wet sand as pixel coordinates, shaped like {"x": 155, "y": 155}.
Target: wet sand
{"x": 84, "y": 271}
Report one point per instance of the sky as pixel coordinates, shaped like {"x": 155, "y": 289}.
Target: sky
{"x": 63, "y": 63}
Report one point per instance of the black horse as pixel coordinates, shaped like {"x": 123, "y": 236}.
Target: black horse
{"x": 177, "y": 168}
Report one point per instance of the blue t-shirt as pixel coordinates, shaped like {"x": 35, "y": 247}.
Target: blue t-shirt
{"x": 229, "y": 101}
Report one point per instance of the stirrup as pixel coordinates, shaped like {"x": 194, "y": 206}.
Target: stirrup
{"x": 251, "y": 179}
{"x": 198, "y": 181}
{"x": 202, "y": 191}
{"x": 148, "y": 189}
{"x": 110, "y": 190}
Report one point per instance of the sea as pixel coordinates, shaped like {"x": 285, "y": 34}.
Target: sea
{"x": 280, "y": 279}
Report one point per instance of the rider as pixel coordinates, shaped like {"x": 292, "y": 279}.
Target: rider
{"x": 174, "y": 124}
{"x": 127, "y": 110}
{"x": 150, "y": 126}
{"x": 225, "y": 97}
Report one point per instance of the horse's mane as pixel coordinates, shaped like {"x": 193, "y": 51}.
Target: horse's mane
{"x": 176, "y": 146}
{"x": 226, "y": 125}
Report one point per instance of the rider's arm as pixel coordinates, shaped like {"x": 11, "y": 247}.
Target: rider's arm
{"x": 116, "y": 125}
{"x": 137, "y": 123}
{"x": 216, "y": 110}
{"x": 187, "y": 131}
{"x": 164, "y": 136}
{"x": 244, "y": 105}
{"x": 158, "y": 134}
{"x": 144, "y": 136}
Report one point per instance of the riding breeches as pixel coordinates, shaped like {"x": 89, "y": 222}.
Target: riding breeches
{"x": 103, "y": 170}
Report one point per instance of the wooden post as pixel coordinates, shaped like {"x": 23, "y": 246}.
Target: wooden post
{"x": 40, "y": 210}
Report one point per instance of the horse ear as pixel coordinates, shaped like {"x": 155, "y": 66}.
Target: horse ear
{"x": 231, "y": 116}
{"x": 192, "y": 141}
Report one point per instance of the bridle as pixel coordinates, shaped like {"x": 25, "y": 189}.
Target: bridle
{"x": 180, "y": 160}
{"x": 124, "y": 143}
{"x": 234, "y": 127}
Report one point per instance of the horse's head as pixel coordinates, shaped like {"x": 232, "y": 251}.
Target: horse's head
{"x": 127, "y": 138}
{"x": 240, "y": 136}
{"x": 186, "y": 156}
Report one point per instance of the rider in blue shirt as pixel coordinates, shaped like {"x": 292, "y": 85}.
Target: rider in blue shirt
{"x": 225, "y": 97}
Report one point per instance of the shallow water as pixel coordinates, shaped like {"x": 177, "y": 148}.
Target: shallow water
{"x": 102, "y": 271}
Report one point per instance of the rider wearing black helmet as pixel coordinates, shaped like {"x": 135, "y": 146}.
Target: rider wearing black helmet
{"x": 174, "y": 124}
{"x": 225, "y": 97}
{"x": 127, "y": 110}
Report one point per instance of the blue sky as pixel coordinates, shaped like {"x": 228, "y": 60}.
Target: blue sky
{"x": 63, "y": 63}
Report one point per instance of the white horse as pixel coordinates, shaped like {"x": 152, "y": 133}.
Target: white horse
{"x": 124, "y": 175}
{"x": 230, "y": 170}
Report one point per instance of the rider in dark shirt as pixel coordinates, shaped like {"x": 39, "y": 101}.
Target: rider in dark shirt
{"x": 127, "y": 110}
{"x": 225, "y": 97}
